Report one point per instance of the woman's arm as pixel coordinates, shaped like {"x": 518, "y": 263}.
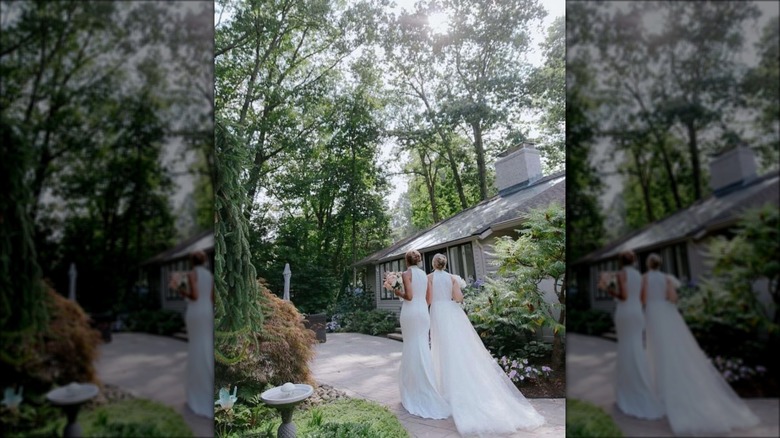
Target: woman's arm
{"x": 212, "y": 293}
{"x": 671, "y": 292}
{"x": 192, "y": 284}
{"x": 429, "y": 290}
{"x": 621, "y": 294}
{"x": 407, "y": 293}
{"x": 457, "y": 295}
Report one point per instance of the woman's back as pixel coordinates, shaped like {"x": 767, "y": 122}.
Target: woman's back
{"x": 633, "y": 285}
{"x": 442, "y": 286}
{"x": 419, "y": 285}
{"x": 656, "y": 286}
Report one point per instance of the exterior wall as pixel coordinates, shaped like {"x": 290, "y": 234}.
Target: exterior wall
{"x": 488, "y": 246}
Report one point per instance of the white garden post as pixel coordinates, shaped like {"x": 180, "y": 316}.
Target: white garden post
{"x": 287, "y": 274}
{"x": 72, "y": 288}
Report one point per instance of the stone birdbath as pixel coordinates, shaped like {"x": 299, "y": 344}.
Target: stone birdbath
{"x": 284, "y": 398}
{"x": 70, "y": 398}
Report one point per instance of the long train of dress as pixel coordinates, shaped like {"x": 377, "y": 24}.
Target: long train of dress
{"x": 697, "y": 399}
{"x": 483, "y": 399}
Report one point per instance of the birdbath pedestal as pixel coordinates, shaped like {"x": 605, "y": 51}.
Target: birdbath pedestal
{"x": 70, "y": 398}
{"x": 283, "y": 399}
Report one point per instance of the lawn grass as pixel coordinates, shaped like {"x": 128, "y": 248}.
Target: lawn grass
{"x": 350, "y": 418}
{"x": 585, "y": 419}
{"x": 127, "y": 418}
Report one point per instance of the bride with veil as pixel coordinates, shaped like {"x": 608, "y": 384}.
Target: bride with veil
{"x": 696, "y": 398}
{"x": 484, "y": 401}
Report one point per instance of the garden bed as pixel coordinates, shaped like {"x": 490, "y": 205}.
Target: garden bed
{"x": 553, "y": 386}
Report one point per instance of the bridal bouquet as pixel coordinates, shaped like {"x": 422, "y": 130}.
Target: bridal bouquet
{"x": 461, "y": 281}
{"x": 393, "y": 281}
{"x": 178, "y": 281}
{"x": 607, "y": 280}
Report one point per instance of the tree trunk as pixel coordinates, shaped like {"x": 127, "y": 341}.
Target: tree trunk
{"x": 456, "y": 176}
{"x": 445, "y": 140}
{"x": 430, "y": 185}
{"x": 645, "y": 188}
{"x": 476, "y": 128}
{"x": 693, "y": 149}
{"x": 670, "y": 174}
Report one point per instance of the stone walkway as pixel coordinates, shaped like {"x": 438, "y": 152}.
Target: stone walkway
{"x": 367, "y": 367}
{"x": 590, "y": 367}
{"x": 152, "y": 367}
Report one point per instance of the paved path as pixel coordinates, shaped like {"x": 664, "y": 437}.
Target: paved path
{"x": 590, "y": 368}
{"x": 367, "y": 367}
{"x": 152, "y": 367}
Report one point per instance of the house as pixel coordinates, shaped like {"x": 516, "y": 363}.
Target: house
{"x": 682, "y": 238}
{"x": 159, "y": 268}
{"x": 468, "y": 237}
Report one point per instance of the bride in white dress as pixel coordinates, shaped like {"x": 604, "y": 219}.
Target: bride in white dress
{"x": 696, "y": 398}
{"x": 483, "y": 399}
{"x": 200, "y": 337}
{"x": 633, "y": 390}
{"x": 416, "y": 383}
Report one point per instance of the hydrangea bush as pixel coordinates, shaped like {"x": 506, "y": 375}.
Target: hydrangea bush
{"x": 518, "y": 370}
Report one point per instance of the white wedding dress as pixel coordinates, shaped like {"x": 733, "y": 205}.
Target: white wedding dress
{"x": 200, "y": 347}
{"x": 416, "y": 379}
{"x": 696, "y": 398}
{"x": 484, "y": 401}
{"x": 633, "y": 390}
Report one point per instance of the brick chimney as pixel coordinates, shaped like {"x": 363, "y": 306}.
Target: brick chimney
{"x": 517, "y": 167}
{"x": 732, "y": 168}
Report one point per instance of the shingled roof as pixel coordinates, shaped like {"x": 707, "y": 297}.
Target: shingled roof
{"x": 502, "y": 208}
{"x": 200, "y": 242}
{"x": 714, "y": 212}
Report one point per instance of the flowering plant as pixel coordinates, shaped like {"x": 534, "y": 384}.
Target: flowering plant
{"x": 393, "y": 281}
{"x": 12, "y": 398}
{"x": 518, "y": 370}
{"x": 607, "y": 280}
{"x": 227, "y": 400}
{"x": 734, "y": 369}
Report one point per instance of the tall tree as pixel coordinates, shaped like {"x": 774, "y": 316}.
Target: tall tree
{"x": 485, "y": 71}
{"x": 272, "y": 61}
{"x": 697, "y": 51}
{"x": 547, "y": 85}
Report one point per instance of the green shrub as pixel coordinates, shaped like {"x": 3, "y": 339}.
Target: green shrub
{"x": 371, "y": 322}
{"x": 503, "y": 316}
{"x": 352, "y": 299}
{"x": 282, "y": 353}
{"x": 159, "y": 322}
{"x": 589, "y": 322}
{"x": 584, "y": 419}
{"x": 64, "y": 352}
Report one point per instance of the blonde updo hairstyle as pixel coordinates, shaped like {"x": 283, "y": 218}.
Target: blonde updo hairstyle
{"x": 653, "y": 261}
{"x": 413, "y": 258}
{"x": 439, "y": 261}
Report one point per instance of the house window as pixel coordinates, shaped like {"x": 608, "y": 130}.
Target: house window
{"x": 390, "y": 266}
{"x": 460, "y": 261}
{"x": 675, "y": 261}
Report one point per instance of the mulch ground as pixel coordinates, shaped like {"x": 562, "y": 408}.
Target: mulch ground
{"x": 552, "y": 387}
